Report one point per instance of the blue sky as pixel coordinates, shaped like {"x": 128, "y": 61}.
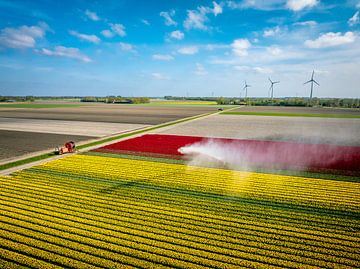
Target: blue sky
{"x": 194, "y": 48}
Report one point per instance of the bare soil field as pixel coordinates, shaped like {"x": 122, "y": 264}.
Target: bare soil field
{"x": 13, "y": 143}
{"x": 84, "y": 128}
{"x": 310, "y": 110}
{"x": 306, "y": 130}
{"x": 134, "y": 114}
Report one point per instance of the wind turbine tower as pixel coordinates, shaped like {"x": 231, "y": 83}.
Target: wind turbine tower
{"x": 312, "y": 81}
{"x": 246, "y": 86}
{"x": 272, "y": 87}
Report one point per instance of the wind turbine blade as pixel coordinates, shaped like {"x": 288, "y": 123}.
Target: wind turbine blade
{"x": 270, "y": 80}
{"x": 307, "y": 82}
{"x": 312, "y": 76}
{"x": 276, "y": 82}
{"x": 316, "y": 83}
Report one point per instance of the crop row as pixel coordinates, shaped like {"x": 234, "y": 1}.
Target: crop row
{"x": 332, "y": 194}
{"x": 257, "y": 152}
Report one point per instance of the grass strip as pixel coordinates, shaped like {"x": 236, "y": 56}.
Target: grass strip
{"x": 284, "y": 114}
{"x": 25, "y": 161}
{"x": 51, "y": 154}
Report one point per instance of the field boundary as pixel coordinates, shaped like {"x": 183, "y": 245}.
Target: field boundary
{"x": 282, "y": 114}
{"x": 11, "y": 167}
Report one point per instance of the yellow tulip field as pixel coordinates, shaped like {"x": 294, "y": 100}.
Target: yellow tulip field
{"x": 87, "y": 211}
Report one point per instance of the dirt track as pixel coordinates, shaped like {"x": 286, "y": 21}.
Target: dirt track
{"x": 110, "y": 113}
{"x": 13, "y": 143}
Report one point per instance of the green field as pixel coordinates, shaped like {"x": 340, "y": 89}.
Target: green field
{"x": 31, "y": 105}
{"x": 283, "y": 114}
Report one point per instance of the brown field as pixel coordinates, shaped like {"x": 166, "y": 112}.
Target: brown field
{"x": 310, "y": 110}
{"x": 134, "y": 114}
{"x": 302, "y": 129}
{"x": 13, "y": 143}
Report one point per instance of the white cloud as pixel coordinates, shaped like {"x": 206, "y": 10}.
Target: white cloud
{"x": 195, "y": 20}
{"x": 89, "y": 38}
{"x": 23, "y": 36}
{"x": 168, "y": 17}
{"x": 256, "y": 69}
{"x": 188, "y": 50}
{"x": 256, "y": 4}
{"x": 217, "y": 9}
{"x": 107, "y": 33}
{"x": 163, "y": 57}
{"x": 61, "y": 51}
{"x": 127, "y": 47}
{"x": 92, "y": 15}
{"x": 177, "y": 35}
{"x": 271, "y": 32}
{"x": 275, "y": 51}
{"x": 354, "y": 19}
{"x": 200, "y": 70}
{"x": 240, "y": 47}
{"x": 297, "y": 5}
{"x": 118, "y": 29}
{"x": 146, "y": 22}
{"x": 331, "y": 40}
{"x": 306, "y": 23}
{"x": 160, "y": 76}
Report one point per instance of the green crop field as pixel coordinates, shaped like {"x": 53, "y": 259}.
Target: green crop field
{"x": 281, "y": 114}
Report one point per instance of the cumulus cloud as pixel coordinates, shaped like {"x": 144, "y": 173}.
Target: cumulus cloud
{"x": 188, "y": 50}
{"x": 354, "y": 19}
{"x": 115, "y": 29}
{"x": 168, "y": 17}
{"x": 60, "y": 51}
{"x": 217, "y": 9}
{"x": 196, "y": 19}
{"x": 127, "y": 47}
{"x": 92, "y": 15}
{"x": 160, "y": 76}
{"x": 256, "y": 4}
{"x": 240, "y": 47}
{"x": 297, "y": 5}
{"x": 89, "y": 38}
{"x": 200, "y": 70}
{"x": 22, "y": 37}
{"x": 177, "y": 35}
{"x": 107, "y": 33}
{"x": 271, "y": 32}
{"x": 118, "y": 29}
{"x": 331, "y": 40}
{"x": 163, "y": 57}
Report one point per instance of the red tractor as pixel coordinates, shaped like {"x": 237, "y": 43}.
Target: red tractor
{"x": 69, "y": 147}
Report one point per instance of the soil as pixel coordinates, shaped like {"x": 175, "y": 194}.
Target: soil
{"x": 310, "y": 110}
{"x": 13, "y": 143}
{"x": 110, "y": 113}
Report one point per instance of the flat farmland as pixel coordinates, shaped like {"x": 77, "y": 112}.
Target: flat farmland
{"x": 14, "y": 143}
{"x": 300, "y": 110}
{"x": 133, "y": 114}
{"x": 341, "y": 131}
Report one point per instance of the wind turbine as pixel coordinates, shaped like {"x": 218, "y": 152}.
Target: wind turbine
{"x": 272, "y": 87}
{"x": 312, "y": 80}
{"x": 246, "y": 86}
